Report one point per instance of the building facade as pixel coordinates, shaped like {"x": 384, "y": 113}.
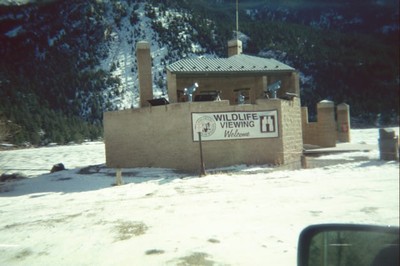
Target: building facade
{"x": 244, "y": 125}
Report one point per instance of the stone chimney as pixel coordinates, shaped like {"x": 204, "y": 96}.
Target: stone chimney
{"x": 234, "y": 47}
{"x": 144, "y": 73}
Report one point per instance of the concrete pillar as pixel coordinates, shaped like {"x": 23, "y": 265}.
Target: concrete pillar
{"x": 304, "y": 115}
{"x": 172, "y": 87}
{"x": 264, "y": 86}
{"x": 309, "y": 130}
{"x": 143, "y": 58}
{"x": 234, "y": 47}
{"x": 294, "y": 86}
{"x": 343, "y": 122}
{"x": 326, "y": 124}
{"x": 388, "y": 145}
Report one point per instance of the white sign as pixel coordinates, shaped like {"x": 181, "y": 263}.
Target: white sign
{"x": 235, "y": 125}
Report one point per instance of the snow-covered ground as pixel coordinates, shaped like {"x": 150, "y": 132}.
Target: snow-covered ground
{"x": 160, "y": 217}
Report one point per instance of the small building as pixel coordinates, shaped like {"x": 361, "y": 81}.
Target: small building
{"x": 245, "y": 109}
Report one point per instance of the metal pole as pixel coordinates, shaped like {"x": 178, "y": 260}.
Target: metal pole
{"x": 237, "y": 20}
{"x": 202, "y": 166}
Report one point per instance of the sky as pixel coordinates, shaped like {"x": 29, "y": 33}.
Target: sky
{"x": 242, "y": 215}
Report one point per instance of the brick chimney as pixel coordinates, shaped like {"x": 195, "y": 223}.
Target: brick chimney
{"x": 144, "y": 73}
{"x": 234, "y": 47}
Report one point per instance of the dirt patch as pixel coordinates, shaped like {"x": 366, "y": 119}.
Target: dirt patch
{"x": 369, "y": 210}
{"x": 127, "y": 229}
{"x": 179, "y": 190}
{"x": 42, "y": 223}
{"x": 196, "y": 258}
{"x": 21, "y": 255}
{"x": 315, "y": 213}
{"x": 155, "y": 252}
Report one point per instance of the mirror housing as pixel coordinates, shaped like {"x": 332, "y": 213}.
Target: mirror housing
{"x": 348, "y": 244}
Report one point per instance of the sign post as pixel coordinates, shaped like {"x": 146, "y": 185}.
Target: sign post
{"x": 202, "y": 166}
{"x": 199, "y": 130}
{"x": 118, "y": 177}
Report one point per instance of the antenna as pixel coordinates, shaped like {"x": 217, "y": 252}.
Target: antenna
{"x": 237, "y": 20}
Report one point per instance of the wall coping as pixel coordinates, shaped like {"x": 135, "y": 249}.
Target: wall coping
{"x": 325, "y": 104}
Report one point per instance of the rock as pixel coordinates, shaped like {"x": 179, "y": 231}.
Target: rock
{"x": 388, "y": 145}
{"x": 386, "y": 133}
{"x": 11, "y": 177}
{"x": 57, "y": 167}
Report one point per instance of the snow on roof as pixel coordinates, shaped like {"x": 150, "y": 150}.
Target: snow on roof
{"x": 237, "y": 63}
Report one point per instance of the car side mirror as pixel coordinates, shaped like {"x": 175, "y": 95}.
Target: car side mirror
{"x": 348, "y": 244}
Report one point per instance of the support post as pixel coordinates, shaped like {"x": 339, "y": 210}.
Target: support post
{"x": 118, "y": 177}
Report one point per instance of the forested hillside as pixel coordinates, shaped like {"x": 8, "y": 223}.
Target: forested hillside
{"x": 45, "y": 80}
{"x": 63, "y": 63}
{"x": 346, "y": 51}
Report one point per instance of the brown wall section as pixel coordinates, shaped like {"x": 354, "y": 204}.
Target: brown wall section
{"x": 323, "y": 132}
{"x": 326, "y": 131}
{"x": 161, "y": 136}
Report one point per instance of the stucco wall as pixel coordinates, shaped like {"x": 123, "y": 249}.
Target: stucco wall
{"x": 292, "y": 130}
{"x": 161, "y": 136}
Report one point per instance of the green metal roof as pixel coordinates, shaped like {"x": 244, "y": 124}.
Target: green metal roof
{"x": 234, "y": 64}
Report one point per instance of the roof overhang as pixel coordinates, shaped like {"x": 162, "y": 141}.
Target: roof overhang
{"x": 234, "y": 65}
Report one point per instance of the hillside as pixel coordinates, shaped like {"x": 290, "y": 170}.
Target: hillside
{"x": 66, "y": 62}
